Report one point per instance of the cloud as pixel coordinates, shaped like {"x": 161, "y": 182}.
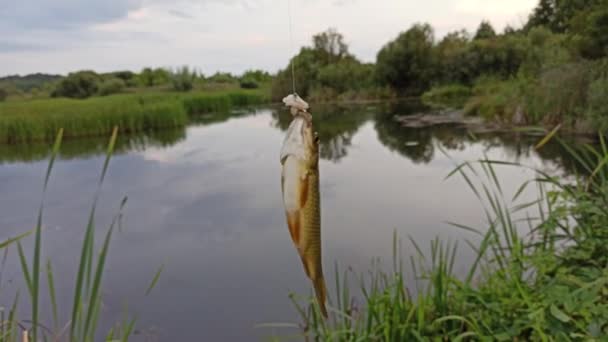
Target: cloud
{"x": 63, "y": 14}
{"x": 212, "y": 35}
{"x": 181, "y": 14}
{"x": 10, "y": 46}
{"x": 339, "y": 3}
{"x": 19, "y": 15}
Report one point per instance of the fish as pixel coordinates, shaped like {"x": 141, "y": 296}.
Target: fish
{"x": 301, "y": 196}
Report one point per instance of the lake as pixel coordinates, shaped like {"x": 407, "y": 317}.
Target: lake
{"x": 205, "y": 202}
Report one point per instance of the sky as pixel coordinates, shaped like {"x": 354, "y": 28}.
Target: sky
{"x": 59, "y": 36}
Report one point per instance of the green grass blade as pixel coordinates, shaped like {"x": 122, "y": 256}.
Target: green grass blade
{"x": 465, "y": 227}
{"x": 155, "y": 279}
{"x": 12, "y": 318}
{"x": 547, "y": 137}
{"x": 17, "y": 238}
{"x": 94, "y": 295}
{"x": 52, "y": 293}
{"x": 86, "y": 255}
{"x": 128, "y": 331}
{"x": 25, "y": 268}
{"x": 35, "y": 293}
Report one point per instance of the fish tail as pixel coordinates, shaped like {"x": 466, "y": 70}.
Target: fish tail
{"x": 321, "y": 293}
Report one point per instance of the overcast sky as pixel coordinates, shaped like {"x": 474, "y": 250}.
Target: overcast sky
{"x": 58, "y": 36}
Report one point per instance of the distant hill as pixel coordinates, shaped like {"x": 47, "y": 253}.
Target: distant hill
{"x": 27, "y": 82}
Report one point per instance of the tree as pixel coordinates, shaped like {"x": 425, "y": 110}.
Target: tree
{"x": 111, "y": 86}
{"x": 451, "y": 57}
{"x": 80, "y": 85}
{"x": 3, "y": 94}
{"x": 183, "y": 79}
{"x": 509, "y": 30}
{"x": 485, "y": 31}
{"x": 346, "y": 75}
{"x": 407, "y": 63}
{"x": 150, "y": 77}
{"x": 330, "y": 46}
{"x": 591, "y": 29}
{"x": 307, "y": 69}
{"x": 543, "y": 15}
{"x": 257, "y": 75}
{"x": 557, "y": 15}
{"x": 146, "y": 77}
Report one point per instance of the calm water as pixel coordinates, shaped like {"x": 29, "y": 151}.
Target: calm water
{"x": 205, "y": 202}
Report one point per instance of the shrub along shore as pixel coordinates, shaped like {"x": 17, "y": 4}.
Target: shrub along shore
{"x": 39, "y": 120}
{"x": 540, "y": 271}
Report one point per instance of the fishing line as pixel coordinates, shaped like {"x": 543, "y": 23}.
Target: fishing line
{"x": 293, "y": 60}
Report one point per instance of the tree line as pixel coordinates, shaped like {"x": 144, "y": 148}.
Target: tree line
{"x": 552, "y": 67}
{"x": 87, "y": 83}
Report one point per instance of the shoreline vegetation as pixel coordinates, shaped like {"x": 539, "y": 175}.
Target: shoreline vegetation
{"x": 552, "y": 70}
{"x": 540, "y": 272}
{"x": 39, "y": 120}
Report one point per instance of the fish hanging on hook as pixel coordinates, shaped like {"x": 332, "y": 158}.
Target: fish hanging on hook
{"x": 301, "y": 196}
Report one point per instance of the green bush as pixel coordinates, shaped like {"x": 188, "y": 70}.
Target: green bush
{"x": 79, "y": 85}
{"x": 545, "y": 50}
{"x": 348, "y": 74}
{"x": 407, "y": 63}
{"x": 598, "y": 103}
{"x": 453, "y": 95}
{"x": 153, "y": 77}
{"x": 3, "y": 94}
{"x": 249, "y": 83}
{"x": 222, "y": 77}
{"x": 559, "y": 93}
{"x": 111, "y": 86}
{"x": 183, "y": 79}
{"x": 494, "y": 99}
{"x": 259, "y": 76}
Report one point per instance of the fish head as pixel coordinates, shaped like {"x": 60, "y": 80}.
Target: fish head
{"x": 301, "y": 141}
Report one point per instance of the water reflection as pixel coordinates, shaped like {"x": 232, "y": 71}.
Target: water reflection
{"x": 88, "y": 147}
{"x": 421, "y": 145}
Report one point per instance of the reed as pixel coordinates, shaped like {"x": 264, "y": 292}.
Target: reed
{"x": 540, "y": 271}
{"x": 87, "y": 296}
{"x": 39, "y": 120}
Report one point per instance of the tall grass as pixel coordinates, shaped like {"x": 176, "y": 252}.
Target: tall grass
{"x": 86, "y": 305}
{"x": 540, "y": 271}
{"x": 27, "y": 121}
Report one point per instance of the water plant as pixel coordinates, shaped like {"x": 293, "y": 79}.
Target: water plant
{"x": 39, "y": 120}
{"x": 540, "y": 271}
{"x": 87, "y": 295}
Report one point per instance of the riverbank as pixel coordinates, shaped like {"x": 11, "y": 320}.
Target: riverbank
{"x": 571, "y": 95}
{"x": 40, "y": 120}
{"x": 535, "y": 284}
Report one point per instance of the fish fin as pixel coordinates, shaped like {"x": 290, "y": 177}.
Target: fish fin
{"x": 293, "y": 222}
{"x": 306, "y": 268}
{"x": 304, "y": 191}
{"x": 319, "y": 284}
{"x": 321, "y": 293}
